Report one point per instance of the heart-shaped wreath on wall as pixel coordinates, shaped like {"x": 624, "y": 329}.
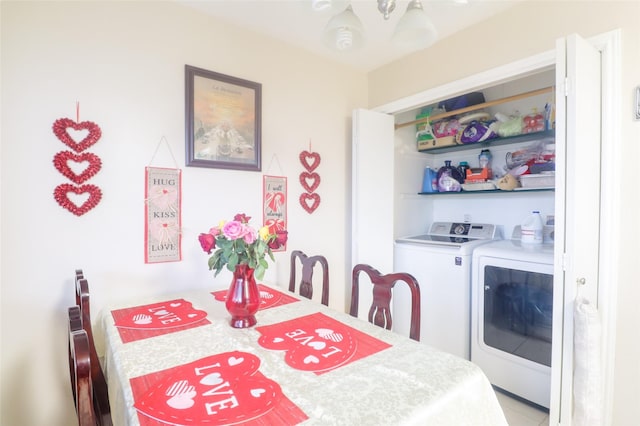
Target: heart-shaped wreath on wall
{"x": 309, "y": 180}
{"x": 78, "y": 167}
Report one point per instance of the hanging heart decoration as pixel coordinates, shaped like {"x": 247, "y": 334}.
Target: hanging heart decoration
{"x": 61, "y": 195}
{"x": 61, "y": 162}
{"x": 309, "y": 181}
{"x": 310, "y": 160}
{"x": 61, "y": 129}
{"x": 309, "y": 202}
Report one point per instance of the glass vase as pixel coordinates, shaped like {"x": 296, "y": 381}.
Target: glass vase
{"x": 243, "y": 298}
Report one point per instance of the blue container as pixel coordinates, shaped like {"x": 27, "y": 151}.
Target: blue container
{"x": 430, "y": 180}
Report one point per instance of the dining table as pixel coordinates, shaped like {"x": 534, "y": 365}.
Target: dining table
{"x": 174, "y": 359}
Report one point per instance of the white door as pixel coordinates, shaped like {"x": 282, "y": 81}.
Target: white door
{"x": 578, "y": 135}
{"x": 372, "y": 195}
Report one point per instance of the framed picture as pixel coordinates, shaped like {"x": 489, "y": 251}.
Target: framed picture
{"x": 223, "y": 121}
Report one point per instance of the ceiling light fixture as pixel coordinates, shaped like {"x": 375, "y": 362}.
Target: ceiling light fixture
{"x": 415, "y": 30}
{"x": 344, "y": 32}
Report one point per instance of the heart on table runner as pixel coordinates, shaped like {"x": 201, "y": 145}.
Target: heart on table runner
{"x": 309, "y": 202}
{"x": 173, "y": 313}
{"x": 309, "y": 181}
{"x": 310, "y": 160}
{"x": 72, "y": 165}
{"x": 308, "y": 348}
{"x": 83, "y": 198}
{"x": 63, "y": 126}
{"x": 220, "y": 389}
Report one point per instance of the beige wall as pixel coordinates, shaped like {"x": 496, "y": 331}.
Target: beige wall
{"x": 525, "y": 30}
{"x": 124, "y": 62}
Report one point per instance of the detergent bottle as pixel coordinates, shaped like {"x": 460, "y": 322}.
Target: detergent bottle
{"x": 532, "y": 229}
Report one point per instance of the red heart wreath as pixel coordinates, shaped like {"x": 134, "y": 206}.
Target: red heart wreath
{"x": 306, "y": 157}
{"x": 309, "y": 202}
{"x": 61, "y": 194}
{"x": 61, "y": 163}
{"x": 60, "y": 129}
{"x": 309, "y": 181}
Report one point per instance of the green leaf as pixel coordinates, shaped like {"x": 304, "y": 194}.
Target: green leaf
{"x": 259, "y": 272}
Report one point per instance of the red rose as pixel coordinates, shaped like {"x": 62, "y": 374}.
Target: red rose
{"x": 242, "y": 218}
{"x": 207, "y": 241}
{"x": 279, "y": 241}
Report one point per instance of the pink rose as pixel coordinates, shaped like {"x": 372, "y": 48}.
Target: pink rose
{"x": 233, "y": 230}
{"x": 250, "y": 235}
{"x": 207, "y": 241}
{"x": 214, "y": 231}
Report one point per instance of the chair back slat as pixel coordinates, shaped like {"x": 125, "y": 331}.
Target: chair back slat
{"x": 306, "y": 282}
{"x": 380, "y": 311}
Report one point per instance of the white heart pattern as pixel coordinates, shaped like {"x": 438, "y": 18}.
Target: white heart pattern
{"x": 318, "y": 345}
{"x": 235, "y": 361}
{"x": 212, "y": 379}
{"x": 266, "y": 295}
{"x": 328, "y": 334}
{"x": 175, "y": 305}
{"x": 278, "y": 340}
{"x": 182, "y": 401}
{"x": 257, "y": 392}
{"x": 311, "y": 359}
{"x": 142, "y": 319}
{"x": 178, "y": 388}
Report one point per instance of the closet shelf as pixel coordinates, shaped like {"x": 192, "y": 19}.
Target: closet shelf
{"x": 476, "y": 107}
{"x": 525, "y": 137}
{"x": 488, "y": 191}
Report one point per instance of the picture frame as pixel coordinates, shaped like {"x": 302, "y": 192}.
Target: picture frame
{"x": 223, "y": 119}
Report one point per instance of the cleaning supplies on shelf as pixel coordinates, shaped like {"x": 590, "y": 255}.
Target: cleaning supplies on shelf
{"x": 449, "y": 178}
{"x": 430, "y": 180}
{"x": 532, "y": 229}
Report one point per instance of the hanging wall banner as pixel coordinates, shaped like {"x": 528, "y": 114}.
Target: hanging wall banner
{"x": 274, "y": 204}
{"x": 163, "y": 216}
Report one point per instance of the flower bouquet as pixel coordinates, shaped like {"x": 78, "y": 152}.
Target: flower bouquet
{"x": 237, "y": 243}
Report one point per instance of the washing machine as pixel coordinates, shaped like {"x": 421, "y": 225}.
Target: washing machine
{"x": 441, "y": 262}
{"x": 512, "y": 313}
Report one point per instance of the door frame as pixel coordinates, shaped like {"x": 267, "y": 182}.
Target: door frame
{"x": 610, "y": 197}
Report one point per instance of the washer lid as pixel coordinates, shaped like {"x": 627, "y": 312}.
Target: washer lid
{"x": 454, "y": 234}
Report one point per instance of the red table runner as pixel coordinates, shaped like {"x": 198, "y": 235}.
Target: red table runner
{"x": 269, "y": 297}
{"x": 318, "y": 343}
{"x": 223, "y": 389}
{"x": 141, "y": 322}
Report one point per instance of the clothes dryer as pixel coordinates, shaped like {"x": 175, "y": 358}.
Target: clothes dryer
{"x": 512, "y": 310}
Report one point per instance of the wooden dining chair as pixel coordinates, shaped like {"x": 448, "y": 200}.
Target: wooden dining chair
{"x": 100, "y": 391}
{"x": 380, "y": 311}
{"x": 306, "y": 282}
{"x": 80, "y": 370}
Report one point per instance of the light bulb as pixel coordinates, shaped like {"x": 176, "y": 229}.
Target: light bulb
{"x": 344, "y": 39}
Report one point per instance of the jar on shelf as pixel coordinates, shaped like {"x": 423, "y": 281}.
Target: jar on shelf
{"x": 449, "y": 178}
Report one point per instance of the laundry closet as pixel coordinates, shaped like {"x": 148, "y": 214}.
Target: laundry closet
{"x": 389, "y": 201}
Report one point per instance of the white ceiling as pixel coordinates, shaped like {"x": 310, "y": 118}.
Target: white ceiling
{"x": 295, "y": 22}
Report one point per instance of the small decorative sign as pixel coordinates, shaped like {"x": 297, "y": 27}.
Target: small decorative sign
{"x": 163, "y": 216}
{"x": 274, "y": 204}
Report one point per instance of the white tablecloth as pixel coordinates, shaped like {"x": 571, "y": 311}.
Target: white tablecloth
{"x": 408, "y": 383}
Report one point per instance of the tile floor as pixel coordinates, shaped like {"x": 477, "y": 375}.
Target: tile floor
{"x": 520, "y": 414}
